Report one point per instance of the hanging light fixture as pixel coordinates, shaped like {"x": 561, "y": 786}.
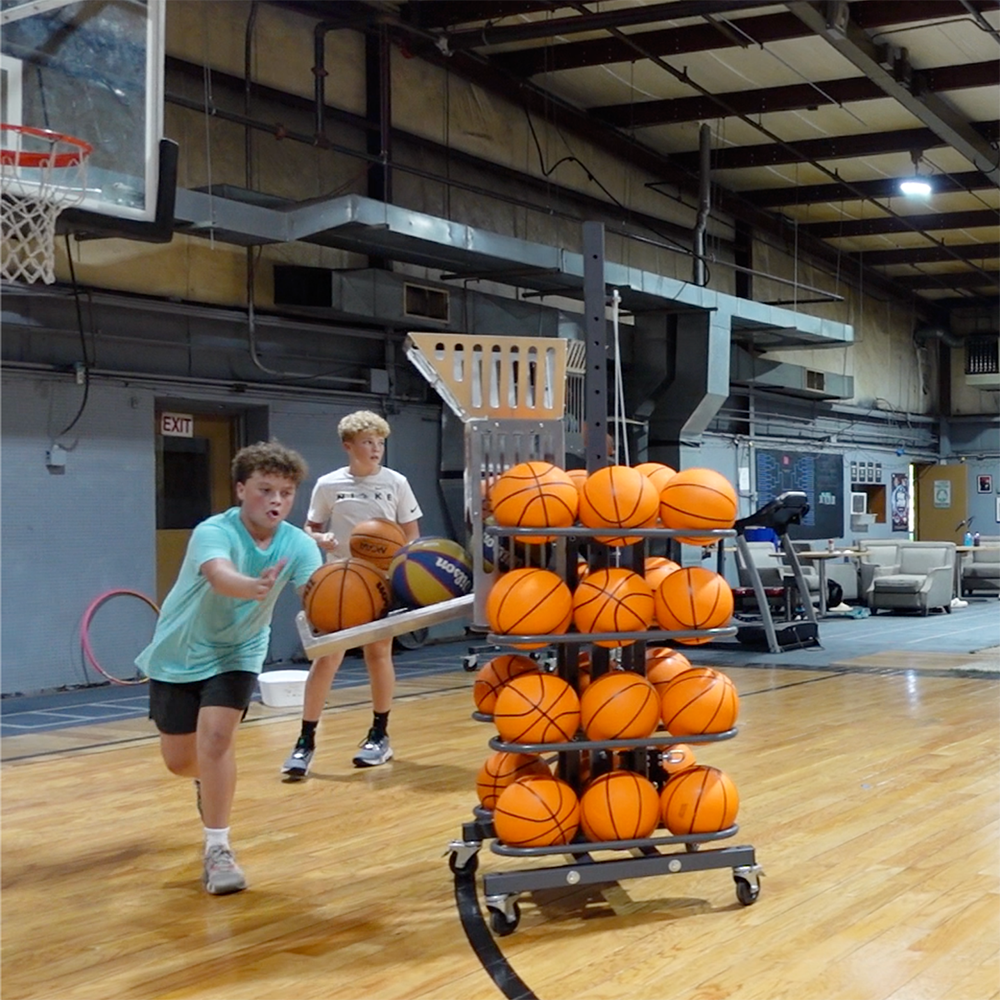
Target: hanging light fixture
{"x": 917, "y": 186}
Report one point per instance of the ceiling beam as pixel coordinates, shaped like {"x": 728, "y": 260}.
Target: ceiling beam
{"x": 889, "y": 70}
{"x": 706, "y": 37}
{"x": 442, "y": 13}
{"x": 922, "y": 255}
{"x": 892, "y": 224}
{"x": 796, "y": 97}
{"x": 957, "y": 279}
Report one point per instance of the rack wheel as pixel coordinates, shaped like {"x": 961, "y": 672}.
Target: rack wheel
{"x": 745, "y": 892}
{"x": 501, "y": 924}
{"x": 467, "y": 867}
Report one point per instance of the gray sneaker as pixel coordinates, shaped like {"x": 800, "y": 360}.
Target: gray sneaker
{"x": 374, "y": 750}
{"x": 297, "y": 764}
{"x": 222, "y": 874}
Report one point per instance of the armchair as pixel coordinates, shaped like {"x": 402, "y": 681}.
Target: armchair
{"x": 924, "y": 578}
{"x": 981, "y": 566}
{"x": 881, "y": 557}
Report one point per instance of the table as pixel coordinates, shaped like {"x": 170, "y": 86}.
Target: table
{"x": 821, "y": 556}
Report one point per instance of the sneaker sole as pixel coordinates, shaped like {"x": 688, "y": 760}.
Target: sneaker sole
{"x": 358, "y": 762}
{"x": 225, "y": 890}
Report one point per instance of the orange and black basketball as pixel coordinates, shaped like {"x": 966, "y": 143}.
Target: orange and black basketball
{"x": 529, "y": 602}
{"x": 690, "y": 599}
{"x": 536, "y": 812}
{"x": 698, "y": 498}
{"x": 493, "y": 675}
{"x": 612, "y": 600}
{"x": 619, "y": 705}
{"x": 502, "y": 769}
{"x": 663, "y": 665}
{"x": 377, "y": 541}
{"x": 620, "y": 805}
{"x": 657, "y": 568}
{"x": 618, "y": 497}
{"x": 657, "y": 473}
{"x": 534, "y": 495}
{"x": 699, "y": 700}
{"x": 537, "y": 708}
{"x": 344, "y": 594}
{"x": 700, "y": 799}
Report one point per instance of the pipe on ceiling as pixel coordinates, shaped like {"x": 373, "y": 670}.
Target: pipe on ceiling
{"x": 924, "y": 334}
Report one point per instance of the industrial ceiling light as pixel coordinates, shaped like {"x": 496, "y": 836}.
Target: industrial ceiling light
{"x": 917, "y": 186}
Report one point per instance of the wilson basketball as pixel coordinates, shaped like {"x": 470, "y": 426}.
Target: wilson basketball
{"x": 534, "y": 495}
{"x": 657, "y": 568}
{"x": 537, "y": 708}
{"x": 537, "y": 812}
{"x": 493, "y": 675}
{"x": 620, "y": 805}
{"x": 430, "y": 570}
{"x": 657, "y": 473}
{"x": 343, "y": 594}
{"x": 699, "y": 700}
{"x": 377, "y": 540}
{"x": 619, "y": 705}
{"x": 698, "y": 498}
{"x": 612, "y": 600}
{"x": 699, "y": 800}
{"x": 618, "y": 497}
{"x": 529, "y": 602}
{"x": 693, "y": 598}
{"x": 663, "y": 665}
{"x": 502, "y": 769}
{"x": 676, "y": 758}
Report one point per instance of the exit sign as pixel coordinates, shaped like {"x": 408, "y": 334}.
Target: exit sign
{"x": 178, "y": 425}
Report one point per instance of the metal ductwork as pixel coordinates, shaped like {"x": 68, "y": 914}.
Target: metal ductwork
{"x": 924, "y": 334}
{"x": 792, "y": 380}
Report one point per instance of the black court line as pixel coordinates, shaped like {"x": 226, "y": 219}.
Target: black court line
{"x": 492, "y": 958}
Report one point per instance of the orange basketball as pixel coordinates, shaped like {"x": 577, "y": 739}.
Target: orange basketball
{"x": 537, "y": 812}
{"x": 529, "y": 602}
{"x": 620, "y": 805}
{"x": 657, "y": 568}
{"x": 619, "y": 705}
{"x": 502, "y": 769}
{"x": 663, "y": 665}
{"x": 693, "y": 598}
{"x": 618, "y": 497}
{"x": 377, "y": 540}
{"x": 676, "y": 758}
{"x": 657, "y": 473}
{"x": 534, "y": 495}
{"x": 612, "y": 600}
{"x": 345, "y": 593}
{"x": 699, "y": 800}
{"x": 579, "y": 477}
{"x": 699, "y": 700}
{"x": 537, "y": 708}
{"x": 698, "y": 498}
{"x": 493, "y": 675}
{"x": 582, "y": 672}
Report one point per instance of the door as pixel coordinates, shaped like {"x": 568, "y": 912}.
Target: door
{"x": 193, "y": 456}
{"x": 941, "y": 503}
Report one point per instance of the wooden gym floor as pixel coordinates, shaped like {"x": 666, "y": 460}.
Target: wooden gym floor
{"x": 869, "y": 792}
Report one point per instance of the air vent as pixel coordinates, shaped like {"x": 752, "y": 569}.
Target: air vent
{"x": 982, "y": 361}
{"x": 421, "y": 302}
{"x": 816, "y": 381}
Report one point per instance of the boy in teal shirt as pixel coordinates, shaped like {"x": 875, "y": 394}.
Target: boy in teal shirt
{"x": 212, "y": 637}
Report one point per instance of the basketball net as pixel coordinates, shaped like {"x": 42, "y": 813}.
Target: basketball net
{"x": 41, "y": 173}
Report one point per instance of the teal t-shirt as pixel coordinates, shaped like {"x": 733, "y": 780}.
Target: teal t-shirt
{"x": 201, "y": 633}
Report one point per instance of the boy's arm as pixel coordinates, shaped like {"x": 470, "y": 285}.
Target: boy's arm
{"x": 411, "y": 529}
{"x": 326, "y": 540}
{"x": 224, "y": 578}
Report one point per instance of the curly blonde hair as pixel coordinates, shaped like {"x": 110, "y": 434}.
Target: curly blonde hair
{"x": 360, "y": 421}
{"x": 269, "y": 457}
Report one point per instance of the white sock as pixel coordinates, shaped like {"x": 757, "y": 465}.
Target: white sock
{"x": 216, "y": 838}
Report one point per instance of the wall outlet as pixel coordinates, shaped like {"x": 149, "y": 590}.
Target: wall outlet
{"x": 55, "y": 457}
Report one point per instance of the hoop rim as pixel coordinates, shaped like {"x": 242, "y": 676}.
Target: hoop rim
{"x": 34, "y": 160}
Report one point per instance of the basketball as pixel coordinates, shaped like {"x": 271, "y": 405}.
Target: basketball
{"x": 619, "y": 705}
{"x": 430, "y": 570}
{"x": 583, "y": 667}
{"x": 699, "y": 700}
{"x": 676, "y": 758}
{"x": 493, "y": 675}
{"x": 537, "y": 708}
{"x": 620, "y": 805}
{"x": 663, "y": 665}
{"x": 502, "y": 769}
{"x": 534, "y": 495}
{"x": 343, "y": 594}
{"x": 699, "y": 800}
{"x": 529, "y": 602}
{"x": 536, "y": 812}
{"x": 657, "y": 473}
{"x": 657, "y": 568}
{"x": 693, "y": 598}
{"x": 377, "y": 540}
{"x": 618, "y": 497}
{"x": 612, "y": 600}
{"x": 698, "y": 498}
{"x": 579, "y": 477}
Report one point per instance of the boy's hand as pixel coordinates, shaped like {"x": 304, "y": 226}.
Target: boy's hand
{"x": 266, "y": 580}
{"x": 326, "y": 540}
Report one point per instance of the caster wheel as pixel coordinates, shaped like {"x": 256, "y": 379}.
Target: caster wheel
{"x": 499, "y": 923}
{"x": 469, "y": 868}
{"x": 745, "y": 892}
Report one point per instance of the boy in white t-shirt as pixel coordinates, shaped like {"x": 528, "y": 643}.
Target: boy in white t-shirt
{"x": 341, "y": 499}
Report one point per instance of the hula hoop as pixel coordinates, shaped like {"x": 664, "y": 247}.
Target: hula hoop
{"x": 85, "y": 630}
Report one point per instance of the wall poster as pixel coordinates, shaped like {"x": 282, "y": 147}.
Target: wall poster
{"x": 820, "y": 477}
{"x": 899, "y": 502}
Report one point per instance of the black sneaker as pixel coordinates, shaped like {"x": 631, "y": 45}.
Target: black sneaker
{"x": 297, "y": 764}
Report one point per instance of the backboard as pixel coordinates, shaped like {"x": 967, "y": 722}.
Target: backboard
{"x": 94, "y": 70}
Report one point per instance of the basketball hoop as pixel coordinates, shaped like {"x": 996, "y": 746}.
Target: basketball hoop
{"x": 41, "y": 173}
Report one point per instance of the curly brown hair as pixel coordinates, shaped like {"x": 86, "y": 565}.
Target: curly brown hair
{"x": 269, "y": 457}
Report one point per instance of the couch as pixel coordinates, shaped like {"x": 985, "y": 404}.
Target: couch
{"x": 881, "y": 555}
{"x": 981, "y": 566}
{"x": 922, "y": 578}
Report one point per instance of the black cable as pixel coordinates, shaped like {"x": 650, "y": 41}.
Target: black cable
{"x": 83, "y": 344}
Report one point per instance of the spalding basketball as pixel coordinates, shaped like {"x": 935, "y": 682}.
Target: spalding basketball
{"x": 612, "y": 600}
{"x": 502, "y": 769}
{"x": 534, "y": 495}
{"x": 493, "y": 675}
{"x": 620, "y": 805}
{"x": 430, "y": 570}
{"x": 692, "y": 599}
{"x": 529, "y": 602}
{"x": 618, "y": 497}
{"x": 698, "y": 498}
{"x": 344, "y": 594}
{"x": 700, "y": 799}
{"x": 377, "y": 540}
{"x": 699, "y": 700}
{"x": 537, "y": 812}
{"x": 619, "y": 705}
{"x": 537, "y": 708}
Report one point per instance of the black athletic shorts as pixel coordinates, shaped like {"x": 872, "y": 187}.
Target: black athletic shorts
{"x": 174, "y": 707}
